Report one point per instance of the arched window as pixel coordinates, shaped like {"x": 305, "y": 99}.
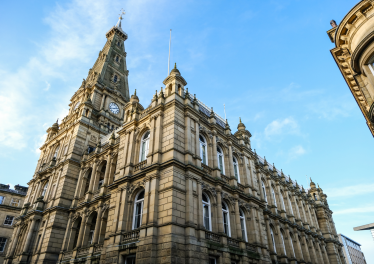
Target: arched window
{"x": 282, "y": 200}
{"x": 273, "y": 194}
{"x": 290, "y": 203}
{"x": 138, "y": 210}
{"x": 284, "y": 247}
{"x": 236, "y": 169}
{"x": 206, "y": 212}
{"x": 76, "y": 105}
{"x": 45, "y": 189}
{"x": 221, "y": 164}
{"x": 144, "y": 146}
{"x": 226, "y": 219}
{"x": 315, "y": 196}
{"x": 115, "y": 78}
{"x": 273, "y": 239}
{"x": 242, "y": 224}
{"x": 293, "y": 250}
{"x": 56, "y": 152}
{"x": 117, "y": 58}
{"x": 264, "y": 191}
{"x": 203, "y": 150}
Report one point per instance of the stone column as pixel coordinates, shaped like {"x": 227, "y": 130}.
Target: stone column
{"x": 79, "y": 187}
{"x": 130, "y": 154}
{"x": 29, "y": 235}
{"x": 146, "y": 203}
{"x": 119, "y": 213}
{"x": 280, "y": 241}
{"x": 299, "y": 251}
{"x": 214, "y": 150}
{"x": 325, "y": 256}
{"x": 103, "y": 101}
{"x": 67, "y": 233}
{"x": 188, "y": 140}
{"x": 158, "y": 139}
{"x": 97, "y": 225}
{"x": 14, "y": 242}
{"x": 290, "y": 243}
{"x": 189, "y": 201}
{"x": 107, "y": 169}
{"x": 200, "y": 217}
{"x": 81, "y": 230}
{"x": 151, "y": 140}
{"x": 153, "y": 200}
{"x": 197, "y": 146}
{"x": 219, "y": 211}
{"x": 93, "y": 176}
{"x": 36, "y": 196}
{"x": 270, "y": 241}
{"x": 306, "y": 253}
{"x": 237, "y": 219}
{"x": 231, "y": 163}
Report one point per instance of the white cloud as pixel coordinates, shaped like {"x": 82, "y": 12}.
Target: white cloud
{"x": 355, "y": 210}
{"x": 296, "y": 152}
{"x": 48, "y": 85}
{"x": 333, "y": 108}
{"x": 350, "y": 191}
{"x": 281, "y": 127}
{"x": 73, "y": 38}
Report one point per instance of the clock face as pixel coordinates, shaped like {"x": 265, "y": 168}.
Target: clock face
{"x": 114, "y": 108}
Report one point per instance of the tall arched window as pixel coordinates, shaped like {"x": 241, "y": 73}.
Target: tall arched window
{"x": 273, "y": 194}
{"x": 56, "y": 152}
{"x": 290, "y": 203}
{"x": 293, "y": 250}
{"x": 236, "y": 169}
{"x": 115, "y": 78}
{"x": 203, "y": 150}
{"x": 315, "y": 196}
{"x": 45, "y": 189}
{"x": 282, "y": 200}
{"x": 264, "y": 191}
{"x": 273, "y": 239}
{"x": 226, "y": 219}
{"x": 284, "y": 247}
{"x": 138, "y": 210}
{"x": 242, "y": 224}
{"x": 206, "y": 212}
{"x": 144, "y": 146}
{"x": 220, "y": 159}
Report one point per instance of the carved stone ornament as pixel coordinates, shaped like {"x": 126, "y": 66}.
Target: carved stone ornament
{"x": 75, "y": 216}
{"x": 245, "y": 205}
{"x": 209, "y": 188}
{"x": 105, "y": 207}
{"x": 228, "y": 197}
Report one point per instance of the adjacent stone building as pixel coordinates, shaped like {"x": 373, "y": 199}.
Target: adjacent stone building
{"x": 120, "y": 182}
{"x": 11, "y": 202}
{"x": 354, "y": 55}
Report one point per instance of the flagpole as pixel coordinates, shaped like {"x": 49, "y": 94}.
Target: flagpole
{"x": 169, "y": 54}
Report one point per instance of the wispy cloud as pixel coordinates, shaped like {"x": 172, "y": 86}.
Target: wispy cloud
{"x": 356, "y": 210}
{"x": 296, "y": 152}
{"x": 331, "y": 108}
{"x": 282, "y": 127}
{"x": 349, "y": 191}
{"x": 73, "y": 39}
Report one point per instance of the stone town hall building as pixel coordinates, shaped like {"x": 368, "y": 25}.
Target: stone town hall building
{"x": 118, "y": 182}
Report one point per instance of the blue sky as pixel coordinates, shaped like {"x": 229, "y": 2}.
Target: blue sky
{"x": 268, "y": 61}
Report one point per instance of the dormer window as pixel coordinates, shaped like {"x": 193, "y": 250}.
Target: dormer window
{"x": 115, "y": 78}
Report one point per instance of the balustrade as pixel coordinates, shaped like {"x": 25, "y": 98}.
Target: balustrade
{"x": 232, "y": 242}
{"x": 140, "y": 165}
{"x": 67, "y": 254}
{"x": 131, "y": 236}
{"x": 98, "y": 248}
{"x": 213, "y": 237}
{"x": 83, "y": 251}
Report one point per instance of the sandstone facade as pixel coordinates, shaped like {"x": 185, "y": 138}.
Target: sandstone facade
{"x": 118, "y": 182}
{"x": 354, "y": 55}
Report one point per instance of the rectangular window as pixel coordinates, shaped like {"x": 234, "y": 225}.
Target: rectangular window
{"x": 9, "y": 220}
{"x": 91, "y": 236}
{"x": 220, "y": 163}
{"x": 1, "y": 199}
{"x": 37, "y": 243}
{"x": 130, "y": 260}
{"x": 15, "y": 202}
{"x": 2, "y": 244}
{"x": 212, "y": 260}
{"x": 226, "y": 224}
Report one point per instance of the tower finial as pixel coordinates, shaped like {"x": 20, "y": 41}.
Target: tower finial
{"x": 120, "y": 18}
{"x": 135, "y": 92}
{"x": 175, "y": 65}
{"x": 240, "y": 119}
